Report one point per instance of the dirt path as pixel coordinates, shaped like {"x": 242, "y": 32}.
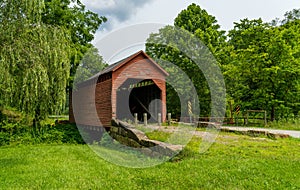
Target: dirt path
{"x": 283, "y": 133}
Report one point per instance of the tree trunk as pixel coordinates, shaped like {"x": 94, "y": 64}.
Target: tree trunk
{"x": 273, "y": 113}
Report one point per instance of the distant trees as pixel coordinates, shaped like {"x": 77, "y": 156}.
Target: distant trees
{"x": 260, "y": 61}
{"x": 265, "y": 70}
{"x": 91, "y": 64}
{"x": 291, "y": 16}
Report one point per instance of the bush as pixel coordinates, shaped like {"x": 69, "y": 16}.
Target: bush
{"x": 16, "y": 128}
{"x": 4, "y": 138}
{"x": 16, "y": 133}
{"x": 68, "y": 133}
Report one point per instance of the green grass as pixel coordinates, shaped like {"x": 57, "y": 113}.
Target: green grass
{"x": 233, "y": 162}
{"x": 290, "y": 124}
{"x": 158, "y": 135}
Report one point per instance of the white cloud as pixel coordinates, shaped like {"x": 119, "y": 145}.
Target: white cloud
{"x": 99, "y": 4}
{"x": 115, "y": 10}
{"x": 122, "y": 13}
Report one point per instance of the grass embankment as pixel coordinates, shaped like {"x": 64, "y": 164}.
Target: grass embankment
{"x": 233, "y": 162}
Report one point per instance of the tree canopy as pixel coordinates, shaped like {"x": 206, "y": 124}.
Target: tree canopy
{"x": 169, "y": 45}
{"x": 82, "y": 24}
{"x": 203, "y": 25}
{"x": 38, "y": 42}
{"x": 91, "y": 64}
{"x": 44, "y": 41}
{"x": 264, "y": 70}
{"x": 260, "y": 61}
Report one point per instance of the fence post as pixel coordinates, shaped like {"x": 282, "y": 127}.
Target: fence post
{"x": 145, "y": 119}
{"x": 247, "y": 117}
{"x": 265, "y": 118}
{"x": 169, "y": 118}
{"x": 135, "y": 118}
{"x": 159, "y": 119}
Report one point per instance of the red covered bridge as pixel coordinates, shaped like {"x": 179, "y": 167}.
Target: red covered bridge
{"x": 135, "y": 84}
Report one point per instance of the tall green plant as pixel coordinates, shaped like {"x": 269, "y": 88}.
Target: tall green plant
{"x": 34, "y": 59}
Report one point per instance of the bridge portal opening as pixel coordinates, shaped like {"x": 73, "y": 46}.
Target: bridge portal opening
{"x": 139, "y": 96}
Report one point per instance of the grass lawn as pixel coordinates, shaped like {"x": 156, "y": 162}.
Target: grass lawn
{"x": 233, "y": 162}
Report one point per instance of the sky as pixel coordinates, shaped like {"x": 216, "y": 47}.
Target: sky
{"x": 125, "y": 13}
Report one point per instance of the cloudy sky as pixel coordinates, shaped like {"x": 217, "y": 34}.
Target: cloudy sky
{"x": 123, "y": 13}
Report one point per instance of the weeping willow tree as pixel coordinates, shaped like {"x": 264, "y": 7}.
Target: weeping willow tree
{"x": 34, "y": 60}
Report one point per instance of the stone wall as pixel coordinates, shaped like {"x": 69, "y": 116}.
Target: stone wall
{"x": 128, "y": 135}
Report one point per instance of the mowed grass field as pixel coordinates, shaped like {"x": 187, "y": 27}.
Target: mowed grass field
{"x": 233, "y": 162}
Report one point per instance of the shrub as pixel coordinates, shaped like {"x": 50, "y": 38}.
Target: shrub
{"x": 18, "y": 133}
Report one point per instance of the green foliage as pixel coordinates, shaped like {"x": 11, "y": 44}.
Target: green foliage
{"x": 91, "y": 64}
{"x": 203, "y": 25}
{"x": 43, "y": 43}
{"x": 35, "y": 62}
{"x": 107, "y": 141}
{"x": 11, "y": 115}
{"x": 264, "y": 70}
{"x": 18, "y": 134}
{"x": 178, "y": 46}
{"x": 291, "y": 16}
{"x": 16, "y": 128}
{"x": 292, "y": 123}
{"x": 72, "y": 15}
{"x": 81, "y": 23}
{"x": 162, "y": 48}
{"x": 260, "y": 61}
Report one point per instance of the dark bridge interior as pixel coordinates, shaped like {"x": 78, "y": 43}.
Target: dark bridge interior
{"x": 138, "y": 96}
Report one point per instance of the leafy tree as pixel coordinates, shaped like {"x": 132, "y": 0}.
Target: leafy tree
{"x": 203, "y": 25}
{"x": 291, "y": 16}
{"x": 72, "y": 14}
{"x": 264, "y": 71}
{"x": 291, "y": 35}
{"x": 34, "y": 59}
{"x": 168, "y": 45}
{"x": 91, "y": 64}
{"x": 161, "y": 48}
{"x": 82, "y": 24}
